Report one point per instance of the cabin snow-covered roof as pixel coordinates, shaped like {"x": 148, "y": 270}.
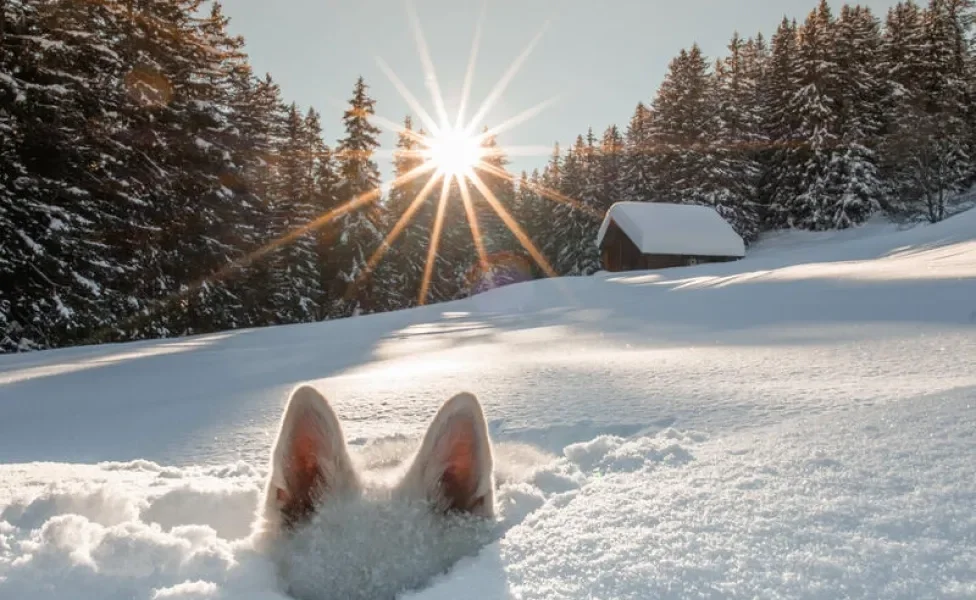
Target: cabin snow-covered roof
{"x": 684, "y": 229}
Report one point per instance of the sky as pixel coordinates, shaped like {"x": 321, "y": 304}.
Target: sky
{"x": 595, "y": 59}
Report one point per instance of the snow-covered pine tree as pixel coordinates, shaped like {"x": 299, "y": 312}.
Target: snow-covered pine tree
{"x": 357, "y": 233}
{"x": 401, "y": 269}
{"x": 496, "y": 234}
{"x": 179, "y": 144}
{"x": 456, "y": 255}
{"x": 207, "y": 152}
{"x": 534, "y": 213}
{"x": 637, "y": 183}
{"x": 681, "y": 127}
{"x": 928, "y": 151}
{"x": 55, "y": 203}
{"x": 856, "y": 188}
{"x": 730, "y": 175}
{"x": 12, "y": 333}
{"x": 816, "y": 106}
{"x": 256, "y": 110}
{"x": 572, "y": 248}
{"x": 136, "y": 173}
{"x": 698, "y": 162}
{"x": 611, "y": 169}
{"x": 295, "y": 268}
{"x": 781, "y": 127}
{"x": 325, "y": 199}
{"x": 755, "y": 68}
{"x": 524, "y": 207}
{"x": 589, "y": 157}
{"x": 547, "y": 187}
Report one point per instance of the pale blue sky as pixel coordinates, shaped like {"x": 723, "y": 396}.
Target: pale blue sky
{"x": 599, "y": 56}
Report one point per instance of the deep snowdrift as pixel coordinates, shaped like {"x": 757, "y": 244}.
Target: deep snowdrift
{"x": 794, "y": 425}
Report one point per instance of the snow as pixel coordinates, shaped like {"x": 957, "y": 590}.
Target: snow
{"x": 796, "y": 424}
{"x": 662, "y": 228}
{"x": 92, "y": 285}
{"x": 29, "y": 241}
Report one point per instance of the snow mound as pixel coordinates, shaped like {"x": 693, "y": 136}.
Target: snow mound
{"x": 143, "y": 530}
{"x": 617, "y": 455}
{"x": 754, "y": 516}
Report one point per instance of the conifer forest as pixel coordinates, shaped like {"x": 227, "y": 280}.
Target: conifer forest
{"x": 153, "y": 185}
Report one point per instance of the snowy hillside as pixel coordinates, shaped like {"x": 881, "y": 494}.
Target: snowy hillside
{"x": 798, "y": 424}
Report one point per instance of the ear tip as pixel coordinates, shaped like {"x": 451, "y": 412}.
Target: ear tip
{"x": 463, "y": 402}
{"x": 306, "y": 396}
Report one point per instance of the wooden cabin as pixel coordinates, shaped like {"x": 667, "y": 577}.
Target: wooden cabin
{"x": 638, "y": 236}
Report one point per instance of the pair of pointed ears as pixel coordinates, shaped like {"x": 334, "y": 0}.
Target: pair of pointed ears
{"x": 310, "y": 462}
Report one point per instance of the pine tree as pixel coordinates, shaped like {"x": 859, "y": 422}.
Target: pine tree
{"x": 731, "y": 171}
{"x": 325, "y": 199}
{"x": 571, "y": 247}
{"x": 637, "y": 164}
{"x": 612, "y": 165}
{"x": 54, "y": 204}
{"x": 780, "y": 181}
{"x": 295, "y": 268}
{"x": 856, "y": 190}
{"x": 256, "y": 109}
{"x": 496, "y": 234}
{"x": 547, "y": 187}
{"x": 700, "y": 158}
{"x": 681, "y": 127}
{"x": 357, "y": 232}
{"x": 401, "y": 269}
{"x": 208, "y": 153}
{"x": 928, "y": 151}
{"x": 817, "y": 128}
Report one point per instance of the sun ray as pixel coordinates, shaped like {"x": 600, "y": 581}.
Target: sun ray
{"x": 541, "y": 190}
{"x": 479, "y": 242}
{"x": 395, "y": 127}
{"x": 246, "y": 260}
{"x": 394, "y": 233}
{"x": 516, "y": 151}
{"x": 469, "y": 73}
{"x": 502, "y": 84}
{"x": 325, "y": 218}
{"x": 511, "y": 223}
{"x": 518, "y": 119}
{"x": 408, "y": 97}
{"x": 435, "y": 239}
{"x": 430, "y": 73}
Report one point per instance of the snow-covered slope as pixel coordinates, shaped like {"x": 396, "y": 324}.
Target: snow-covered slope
{"x": 798, "y": 424}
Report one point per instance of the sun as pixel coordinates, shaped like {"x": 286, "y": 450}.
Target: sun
{"x": 453, "y": 152}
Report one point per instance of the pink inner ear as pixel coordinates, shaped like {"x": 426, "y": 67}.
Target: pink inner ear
{"x": 459, "y": 479}
{"x": 304, "y": 478}
{"x": 305, "y": 446}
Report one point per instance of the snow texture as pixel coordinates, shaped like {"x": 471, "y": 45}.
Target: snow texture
{"x": 797, "y": 424}
{"x": 662, "y": 228}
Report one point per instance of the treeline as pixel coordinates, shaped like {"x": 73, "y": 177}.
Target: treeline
{"x": 822, "y": 126}
{"x": 152, "y": 185}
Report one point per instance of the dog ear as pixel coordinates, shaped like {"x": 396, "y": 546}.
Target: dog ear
{"x": 309, "y": 461}
{"x": 454, "y": 467}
